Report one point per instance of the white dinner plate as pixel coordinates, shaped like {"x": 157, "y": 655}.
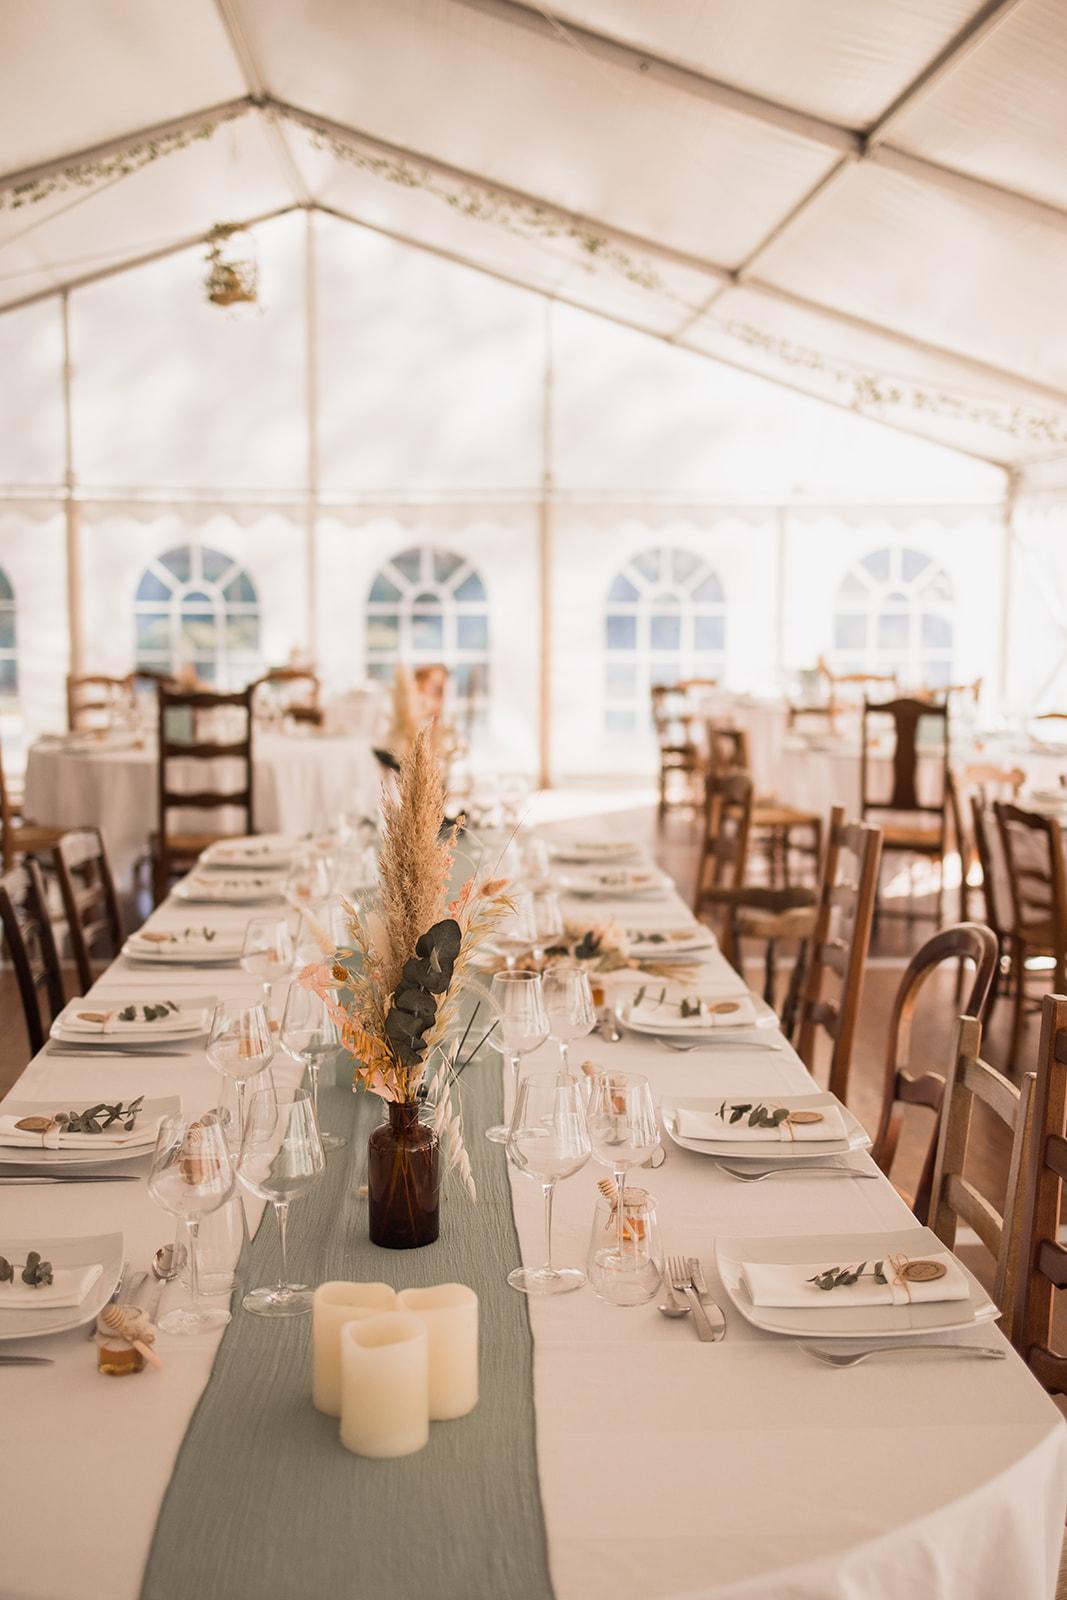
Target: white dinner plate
{"x": 766, "y": 1150}
{"x": 24, "y": 1155}
{"x": 591, "y": 851}
{"x": 263, "y": 852}
{"x": 105, "y": 1248}
{"x": 742, "y": 1014}
{"x": 247, "y": 889}
{"x": 190, "y": 1021}
{"x": 849, "y": 1322}
{"x": 615, "y": 883}
{"x": 184, "y": 947}
{"x": 669, "y": 944}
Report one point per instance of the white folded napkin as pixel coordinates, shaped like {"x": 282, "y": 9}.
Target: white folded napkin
{"x": 734, "y": 1011}
{"x": 669, "y": 940}
{"x": 770, "y": 1284}
{"x": 699, "y": 1124}
{"x": 85, "y": 1017}
{"x": 115, "y": 1138}
{"x": 190, "y": 941}
{"x": 69, "y": 1287}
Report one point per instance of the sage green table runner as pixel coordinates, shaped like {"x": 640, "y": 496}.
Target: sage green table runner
{"x": 266, "y": 1504}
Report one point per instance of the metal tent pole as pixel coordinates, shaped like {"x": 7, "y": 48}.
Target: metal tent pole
{"x": 312, "y": 407}
{"x": 71, "y": 509}
{"x": 544, "y": 548}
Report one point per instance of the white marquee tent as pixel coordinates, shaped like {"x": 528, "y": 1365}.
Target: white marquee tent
{"x": 862, "y": 201}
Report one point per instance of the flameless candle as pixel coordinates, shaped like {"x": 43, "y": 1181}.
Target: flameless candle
{"x": 334, "y": 1304}
{"x": 385, "y": 1407}
{"x": 449, "y": 1313}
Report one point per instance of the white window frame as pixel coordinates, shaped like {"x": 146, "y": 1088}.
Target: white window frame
{"x": 916, "y": 664}
{"x": 450, "y": 654}
{"x": 663, "y": 595}
{"x": 228, "y": 666}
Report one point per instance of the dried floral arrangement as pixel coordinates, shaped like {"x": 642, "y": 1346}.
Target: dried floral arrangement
{"x": 396, "y": 989}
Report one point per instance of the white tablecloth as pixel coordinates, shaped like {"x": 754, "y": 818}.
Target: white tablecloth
{"x": 299, "y": 784}
{"x": 668, "y": 1468}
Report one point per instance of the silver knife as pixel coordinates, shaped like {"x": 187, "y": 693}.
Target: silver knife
{"x": 27, "y": 1361}
{"x": 714, "y": 1311}
{"x": 111, "y": 1051}
{"x": 86, "y": 1177}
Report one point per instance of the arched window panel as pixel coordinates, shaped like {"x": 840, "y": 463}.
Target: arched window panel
{"x": 429, "y": 605}
{"x": 665, "y": 619}
{"x": 895, "y": 612}
{"x": 197, "y": 607}
{"x": 9, "y": 665}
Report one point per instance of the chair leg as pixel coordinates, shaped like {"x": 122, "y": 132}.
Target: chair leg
{"x": 1018, "y": 951}
{"x": 769, "y": 973}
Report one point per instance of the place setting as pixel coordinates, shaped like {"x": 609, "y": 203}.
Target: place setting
{"x": 141, "y": 1026}
{"x": 702, "y": 1015}
{"x": 244, "y": 889}
{"x": 191, "y": 946}
{"x": 613, "y": 883}
{"x": 752, "y": 1137}
{"x": 260, "y": 853}
{"x": 57, "y": 1140}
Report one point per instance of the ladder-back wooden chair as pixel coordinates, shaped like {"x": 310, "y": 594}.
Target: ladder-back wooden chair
{"x": 292, "y": 691}
{"x": 837, "y": 950}
{"x": 31, "y": 947}
{"x": 188, "y": 731}
{"x": 678, "y": 724}
{"x": 775, "y": 827}
{"x": 18, "y": 835}
{"x": 851, "y": 688}
{"x": 90, "y": 904}
{"x": 955, "y": 1197}
{"x": 1042, "y": 1258}
{"x": 97, "y": 703}
{"x": 910, "y": 825}
{"x": 903, "y": 1084}
{"x": 1032, "y": 848}
{"x": 724, "y": 849}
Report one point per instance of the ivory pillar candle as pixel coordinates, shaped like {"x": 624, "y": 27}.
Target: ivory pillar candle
{"x": 385, "y": 1407}
{"x": 449, "y": 1313}
{"x": 333, "y": 1305}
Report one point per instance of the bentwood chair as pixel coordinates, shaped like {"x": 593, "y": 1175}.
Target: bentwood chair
{"x": 678, "y": 724}
{"x": 955, "y": 1197}
{"x": 96, "y": 702}
{"x": 18, "y": 835}
{"x": 1042, "y": 1258}
{"x": 31, "y": 947}
{"x": 90, "y": 904}
{"x": 831, "y": 983}
{"x": 190, "y": 731}
{"x": 724, "y": 849}
{"x": 910, "y": 825}
{"x": 1032, "y": 848}
{"x": 293, "y": 691}
{"x": 903, "y": 1085}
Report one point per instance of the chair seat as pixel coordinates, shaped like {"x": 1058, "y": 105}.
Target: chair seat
{"x": 912, "y": 836}
{"x": 772, "y": 814}
{"x": 187, "y": 846}
{"x": 798, "y": 923}
{"x": 29, "y": 836}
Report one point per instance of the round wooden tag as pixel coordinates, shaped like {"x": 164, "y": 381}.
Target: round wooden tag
{"x": 36, "y": 1124}
{"x": 803, "y": 1117}
{"x": 923, "y": 1271}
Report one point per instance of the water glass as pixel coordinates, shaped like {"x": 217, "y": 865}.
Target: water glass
{"x": 624, "y": 1132}
{"x": 569, "y": 1004}
{"x": 267, "y": 950}
{"x": 548, "y": 1140}
{"x": 240, "y": 1045}
{"x": 634, "y": 1278}
{"x": 548, "y": 921}
{"x": 521, "y": 1028}
{"x": 281, "y": 1159}
{"x": 516, "y": 933}
{"x": 311, "y": 1036}
{"x": 310, "y": 879}
{"x": 192, "y": 1175}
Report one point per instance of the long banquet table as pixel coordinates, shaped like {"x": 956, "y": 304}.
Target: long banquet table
{"x": 668, "y": 1468}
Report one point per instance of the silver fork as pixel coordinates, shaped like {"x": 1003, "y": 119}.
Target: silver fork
{"x": 788, "y": 1169}
{"x": 682, "y": 1280}
{"x": 716, "y": 1044}
{"x": 717, "y": 1318}
{"x": 905, "y": 1347}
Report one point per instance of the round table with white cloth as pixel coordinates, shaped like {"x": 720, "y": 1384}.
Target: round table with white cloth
{"x": 300, "y": 783}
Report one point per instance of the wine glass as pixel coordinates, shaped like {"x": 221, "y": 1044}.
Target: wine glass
{"x": 310, "y": 878}
{"x": 281, "y": 1158}
{"x": 624, "y": 1132}
{"x": 192, "y": 1175}
{"x": 523, "y": 1025}
{"x": 516, "y": 933}
{"x": 548, "y": 1140}
{"x": 267, "y": 951}
{"x": 548, "y": 921}
{"x": 569, "y": 1004}
{"x": 239, "y": 1046}
{"x": 311, "y": 1036}
{"x": 535, "y": 862}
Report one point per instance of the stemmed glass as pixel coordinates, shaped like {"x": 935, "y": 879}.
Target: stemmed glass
{"x": 548, "y": 921}
{"x": 267, "y": 951}
{"x": 192, "y": 1175}
{"x": 624, "y": 1132}
{"x": 311, "y": 1036}
{"x": 281, "y": 1158}
{"x": 548, "y": 1140}
{"x": 523, "y": 1025}
{"x": 569, "y": 1004}
{"x": 239, "y": 1046}
{"x": 517, "y": 932}
{"x": 310, "y": 879}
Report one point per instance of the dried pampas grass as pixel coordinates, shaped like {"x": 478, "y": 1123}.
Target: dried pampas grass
{"x": 414, "y": 862}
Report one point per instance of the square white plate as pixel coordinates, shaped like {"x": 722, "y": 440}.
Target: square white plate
{"x": 592, "y": 851}
{"x": 743, "y": 1013}
{"x": 857, "y": 1137}
{"x": 24, "y": 1155}
{"x": 195, "y": 953}
{"x": 615, "y": 883}
{"x": 105, "y": 1248}
{"x": 674, "y": 944}
{"x": 191, "y": 1021}
{"x": 261, "y": 852}
{"x": 245, "y": 889}
{"x": 848, "y": 1322}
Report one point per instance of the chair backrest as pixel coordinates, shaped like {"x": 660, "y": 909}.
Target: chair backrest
{"x": 31, "y": 946}
{"x": 955, "y": 1197}
{"x": 902, "y": 1085}
{"x": 844, "y": 911}
{"x": 727, "y": 818}
{"x": 7, "y": 819}
{"x": 1042, "y": 1258}
{"x": 676, "y": 719}
{"x": 820, "y": 719}
{"x": 98, "y": 702}
{"x": 906, "y": 715}
{"x": 186, "y": 717}
{"x": 1033, "y": 857}
{"x": 431, "y": 680}
{"x": 295, "y": 691}
{"x": 727, "y": 748}
{"x": 90, "y": 904}
{"x": 852, "y": 683}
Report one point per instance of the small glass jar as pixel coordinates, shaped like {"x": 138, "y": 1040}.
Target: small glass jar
{"x": 116, "y": 1354}
{"x": 634, "y": 1278}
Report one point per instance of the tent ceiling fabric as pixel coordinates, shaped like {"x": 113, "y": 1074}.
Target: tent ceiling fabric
{"x": 862, "y": 199}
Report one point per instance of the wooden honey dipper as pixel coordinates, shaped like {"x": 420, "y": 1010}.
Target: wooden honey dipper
{"x": 118, "y": 1320}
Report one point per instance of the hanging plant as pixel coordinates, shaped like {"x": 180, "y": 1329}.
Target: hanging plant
{"x": 233, "y": 266}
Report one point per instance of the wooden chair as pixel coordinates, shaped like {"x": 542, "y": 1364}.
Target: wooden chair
{"x": 775, "y": 827}
{"x": 184, "y": 735}
{"x": 90, "y": 904}
{"x": 1042, "y": 1258}
{"x": 724, "y": 849}
{"x": 926, "y": 835}
{"x": 96, "y": 702}
{"x": 294, "y": 691}
{"x": 431, "y": 681}
{"x": 1032, "y": 847}
{"x": 954, "y": 1196}
{"x": 31, "y": 947}
{"x": 682, "y": 763}
{"x": 19, "y": 836}
{"x": 971, "y": 795}
{"x": 838, "y": 946}
{"x": 817, "y": 719}
{"x": 903, "y": 1087}
{"x": 854, "y": 684}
